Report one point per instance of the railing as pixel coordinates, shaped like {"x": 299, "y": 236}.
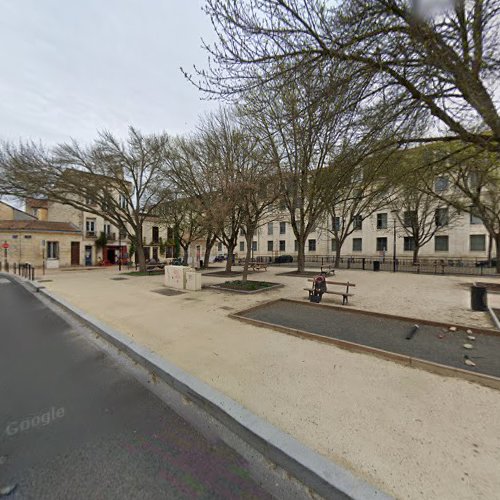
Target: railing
{"x": 91, "y": 234}
{"x": 425, "y": 265}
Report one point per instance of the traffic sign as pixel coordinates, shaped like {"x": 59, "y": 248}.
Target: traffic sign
{"x": 5, "y": 245}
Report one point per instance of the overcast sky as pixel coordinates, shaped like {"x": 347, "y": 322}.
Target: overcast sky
{"x": 71, "y": 67}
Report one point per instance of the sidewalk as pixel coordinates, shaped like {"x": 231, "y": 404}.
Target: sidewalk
{"x": 409, "y": 432}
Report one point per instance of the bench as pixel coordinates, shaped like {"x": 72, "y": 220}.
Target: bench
{"x": 254, "y": 265}
{"x": 258, "y": 266}
{"x": 345, "y": 295}
{"x": 152, "y": 268}
{"x": 329, "y": 270}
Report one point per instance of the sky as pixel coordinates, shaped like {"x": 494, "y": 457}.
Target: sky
{"x": 72, "y": 67}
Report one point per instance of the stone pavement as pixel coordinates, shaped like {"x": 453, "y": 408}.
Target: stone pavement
{"x": 409, "y": 432}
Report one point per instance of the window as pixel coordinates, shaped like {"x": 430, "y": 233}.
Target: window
{"x": 312, "y": 245}
{"x": 441, "y": 243}
{"x": 474, "y": 217}
{"x": 282, "y": 245}
{"x": 409, "y": 244}
{"x": 122, "y": 201}
{"x": 477, "y": 242}
{"x": 270, "y": 228}
{"x": 357, "y": 222}
{"x": 410, "y": 218}
{"x": 14, "y": 236}
{"x": 296, "y": 246}
{"x": 90, "y": 226}
{"x": 382, "y": 221}
{"x": 242, "y": 232}
{"x": 107, "y": 229}
{"x": 357, "y": 244}
{"x": 381, "y": 244}
{"x": 254, "y": 246}
{"x": 52, "y": 249}
{"x": 334, "y": 245}
{"x": 27, "y": 236}
{"x": 242, "y": 246}
{"x": 282, "y": 227}
{"x": 270, "y": 246}
{"x": 441, "y": 184}
{"x": 441, "y": 217}
{"x": 155, "y": 234}
{"x": 336, "y": 223}
{"x": 219, "y": 247}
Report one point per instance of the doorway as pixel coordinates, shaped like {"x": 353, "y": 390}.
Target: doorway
{"x": 88, "y": 255}
{"x": 75, "y": 253}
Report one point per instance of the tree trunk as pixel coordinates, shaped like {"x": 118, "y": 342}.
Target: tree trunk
{"x": 141, "y": 258}
{"x": 209, "y": 244}
{"x": 497, "y": 241}
{"x": 249, "y": 240}
{"x": 186, "y": 254}
{"x": 490, "y": 248}
{"x": 301, "y": 255}
{"x": 230, "y": 254}
{"x": 337, "y": 255}
{"x": 415, "y": 254}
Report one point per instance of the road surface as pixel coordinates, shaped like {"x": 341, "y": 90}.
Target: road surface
{"x": 74, "y": 424}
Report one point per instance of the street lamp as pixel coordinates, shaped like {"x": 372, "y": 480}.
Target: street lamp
{"x": 119, "y": 249}
{"x": 394, "y": 215}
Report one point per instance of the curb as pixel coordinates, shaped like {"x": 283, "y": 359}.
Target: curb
{"x": 323, "y": 476}
{"x": 494, "y": 317}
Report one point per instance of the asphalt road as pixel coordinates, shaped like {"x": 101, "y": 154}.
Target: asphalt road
{"x": 429, "y": 342}
{"x": 74, "y": 424}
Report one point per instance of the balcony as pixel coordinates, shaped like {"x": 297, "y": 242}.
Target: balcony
{"x": 111, "y": 236}
{"x": 90, "y": 234}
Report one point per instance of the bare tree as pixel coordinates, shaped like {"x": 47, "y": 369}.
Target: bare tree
{"x": 208, "y": 165}
{"x": 472, "y": 177}
{"x": 442, "y": 61}
{"x": 355, "y": 190}
{"x": 420, "y": 213}
{"x": 309, "y": 122}
{"x": 121, "y": 181}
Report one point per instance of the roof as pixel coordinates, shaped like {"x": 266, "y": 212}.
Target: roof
{"x": 37, "y": 202}
{"x": 41, "y": 226}
{"x": 18, "y": 211}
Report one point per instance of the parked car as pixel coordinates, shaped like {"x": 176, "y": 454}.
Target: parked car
{"x": 283, "y": 259}
{"x": 220, "y": 258}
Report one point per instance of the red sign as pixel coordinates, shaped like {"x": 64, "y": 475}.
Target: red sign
{"x": 5, "y": 245}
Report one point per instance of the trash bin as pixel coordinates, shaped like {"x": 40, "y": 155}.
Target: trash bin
{"x": 478, "y": 298}
{"x": 376, "y": 265}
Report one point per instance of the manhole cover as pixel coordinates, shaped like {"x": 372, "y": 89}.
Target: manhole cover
{"x": 167, "y": 291}
{"x": 119, "y": 279}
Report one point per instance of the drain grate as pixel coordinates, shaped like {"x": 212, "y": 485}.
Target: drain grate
{"x": 167, "y": 291}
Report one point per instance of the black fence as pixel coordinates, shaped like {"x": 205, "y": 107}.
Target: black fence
{"x": 426, "y": 265}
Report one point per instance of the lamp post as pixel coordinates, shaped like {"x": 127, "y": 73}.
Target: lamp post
{"x": 394, "y": 214}
{"x": 119, "y": 249}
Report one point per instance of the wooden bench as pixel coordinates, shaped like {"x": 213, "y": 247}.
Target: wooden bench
{"x": 258, "y": 266}
{"x": 254, "y": 265}
{"x": 329, "y": 270}
{"x": 345, "y": 295}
